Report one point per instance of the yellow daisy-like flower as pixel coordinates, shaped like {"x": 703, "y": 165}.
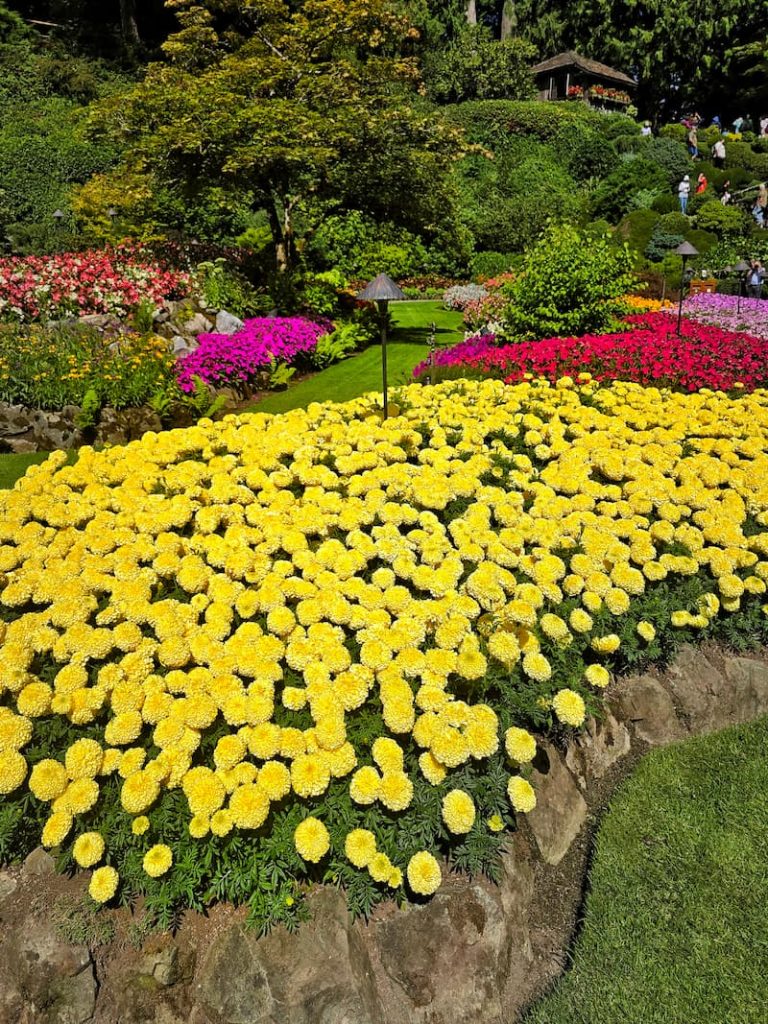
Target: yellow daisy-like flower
{"x": 13, "y": 770}
{"x": 646, "y": 631}
{"x": 380, "y": 867}
{"x": 495, "y": 823}
{"x": 140, "y": 825}
{"x": 157, "y": 860}
{"x": 48, "y": 780}
{"x": 365, "y": 786}
{"x": 312, "y": 840}
{"x": 423, "y": 873}
{"x": 537, "y": 667}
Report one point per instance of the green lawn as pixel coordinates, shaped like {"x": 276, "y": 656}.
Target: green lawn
{"x": 14, "y": 466}
{"x": 358, "y": 374}
{"x": 676, "y": 927}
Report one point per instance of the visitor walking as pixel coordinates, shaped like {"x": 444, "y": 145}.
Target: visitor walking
{"x": 725, "y": 198}
{"x": 718, "y": 154}
{"x": 683, "y": 191}
{"x": 760, "y": 209}
{"x": 646, "y": 130}
{"x": 701, "y": 184}
{"x": 755, "y": 278}
{"x": 737, "y": 125}
{"x": 693, "y": 142}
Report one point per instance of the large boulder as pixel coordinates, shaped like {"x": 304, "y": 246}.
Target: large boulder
{"x": 226, "y": 323}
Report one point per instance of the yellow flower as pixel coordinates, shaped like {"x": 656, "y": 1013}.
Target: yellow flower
{"x": 495, "y": 823}
{"x": 312, "y": 840}
{"x": 423, "y": 873}
{"x": 569, "y": 707}
{"x": 83, "y": 759}
{"x": 103, "y": 884}
{"x": 458, "y": 810}
{"x": 360, "y": 846}
{"x": 597, "y": 675}
{"x": 310, "y": 775}
{"x": 88, "y": 849}
{"x": 13, "y": 770}
{"x": 365, "y": 786}
{"x": 222, "y": 823}
{"x": 537, "y": 667}
{"x": 380, "y": 867}
{"x": 157, "y": 860}
{"x": 521, "y": 794}
{"x": 396, "y": 791}
{"x": 646, "y": 631}
{"x": 48, "y": 780}
{"x": 249, "y": 805}
{"x": 140, "y": 825}
{"x": 388, "y": 754}
{"x": 432, "y": 770}
{"x": 520, "y": 745}
{"x": 56, "y": 828}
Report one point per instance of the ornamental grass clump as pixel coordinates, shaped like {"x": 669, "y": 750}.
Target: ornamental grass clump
{"x": 260, "y": 653}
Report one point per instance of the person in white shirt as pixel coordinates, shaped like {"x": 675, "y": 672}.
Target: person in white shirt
{"x": 718, "y": 154}
{"x": 683, "y": 191}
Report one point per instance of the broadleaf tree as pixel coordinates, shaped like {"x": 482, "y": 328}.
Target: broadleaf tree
{"x": 276, "y": 100}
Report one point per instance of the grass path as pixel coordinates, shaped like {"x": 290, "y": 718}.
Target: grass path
{"x": 676, "y": 926}
{"x": 358, "y": 374}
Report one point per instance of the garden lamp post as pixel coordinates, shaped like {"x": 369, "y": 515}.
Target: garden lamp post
{"x": 741, "y": 269}
{"x": 112, "y": 214}
{"x": 58, "y": 217}
{"x": 685, "y": 250}
{"x": 382, "y": 290}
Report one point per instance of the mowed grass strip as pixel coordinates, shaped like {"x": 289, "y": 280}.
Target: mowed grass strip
{"x": 676, "y": 926}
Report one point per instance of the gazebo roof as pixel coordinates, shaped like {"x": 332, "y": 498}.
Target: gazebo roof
{"x": 591, "y": 67}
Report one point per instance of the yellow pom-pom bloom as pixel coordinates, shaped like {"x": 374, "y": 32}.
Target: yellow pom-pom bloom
{"x": 83, "y": 759}
{"x": 458, "y": 811}
{"x": 388, "y": 754}
{"x": 56, "y": 829}
{"x": 569, "y": 707}
{"x": 380, "y": 867}
{"x": 88, "y": 849}
{"x": 48, "y": 780}
{"x": 646, "y": 631}
{"x": 597, "y": 675}
{"x": 365, "y": 786}
{"x": 140, "y": 825}
{"x": 432, "y": 769}
{"x": 249, "y": 805}
{"x": 360, "y": 847}
{"x": 521, "y": 794}
{"x": 520, "y": 745}
{"x": 312, "y": 840}
{"x": 13, "y": 770}
{"x": 103, "y": 884}
{"x": 157, "y": 860}
{"x": 423, "y": 873}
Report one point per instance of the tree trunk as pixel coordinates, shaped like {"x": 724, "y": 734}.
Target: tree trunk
{"x": 508, "y": 19}
{"x": 129, "y": 25}
{"x": 472, "y": 12}
{"x": 281, "y": 225}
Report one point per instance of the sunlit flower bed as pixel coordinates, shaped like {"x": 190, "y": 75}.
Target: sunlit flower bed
{"x": 649, "y": 351}
{"x": 80, "y": 283}
{"x": 234, "y": 360}
{"x": 730, "y": 313}
{"x": 316, "y": 646}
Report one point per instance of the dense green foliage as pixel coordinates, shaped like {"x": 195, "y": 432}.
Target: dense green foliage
{"x": 678, "y": 878}
{"x": 567, "y": 286}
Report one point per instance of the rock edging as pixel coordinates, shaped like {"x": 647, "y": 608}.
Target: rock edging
{"x": 477, "y": 953}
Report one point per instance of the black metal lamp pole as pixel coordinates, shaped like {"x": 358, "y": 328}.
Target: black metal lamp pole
{"x": 741, "y": 269}
{"x": 685, "y": 250}
{"x": 382, "y": 290}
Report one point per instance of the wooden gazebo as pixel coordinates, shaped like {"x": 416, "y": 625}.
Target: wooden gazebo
{"x": 569, "y": 76}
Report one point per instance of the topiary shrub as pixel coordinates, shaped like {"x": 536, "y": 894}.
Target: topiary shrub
{"x": 614, "y": 195}
{"x": 661, "y": 243}
{"x": 713, "y": 216}
{"x": 671, "y": 156}
{"x": 674, "y": 223}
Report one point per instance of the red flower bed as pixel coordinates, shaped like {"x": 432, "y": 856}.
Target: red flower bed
{"x": 78, "y": 283}
{"x": 649, "y": 352}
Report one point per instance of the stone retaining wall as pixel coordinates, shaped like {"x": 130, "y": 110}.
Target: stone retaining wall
{"x": 477, "y": 953}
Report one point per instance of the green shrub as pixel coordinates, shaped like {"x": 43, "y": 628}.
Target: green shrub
{"x": 358, "y": 247}
{"x": 704, "y": 241}
{"x": 474, "y": 66}
{"x": 671, "y": 156}
{"x": 225, "y": 288}
{"x": 568, "y": 286}
{"x": 490, "y": 122}
{"x": 489, "y": 264}
{"x": 585, "y": 152}
{"x": 614, "y": 195}
{"x": 662, "y": 241}
{"x": 713, "y": 216}
{"x": 666, "y": 203}
{"x": 675, "y": 223}
{"x": 636, "y": 229}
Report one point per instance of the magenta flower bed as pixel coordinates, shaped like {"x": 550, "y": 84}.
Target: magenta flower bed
{"x": 80, "y": 283}
{"x": 648, "y": 352}
{"x": 750, "y": 315}
{"x": 234, "y": 360}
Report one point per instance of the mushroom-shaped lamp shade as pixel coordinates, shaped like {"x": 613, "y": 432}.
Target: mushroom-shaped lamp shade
{"x": 685, "y": 249}
{"x": 741, "y": 267}
{"x": 381, "y": 289}
{"x": 58, "y": 216}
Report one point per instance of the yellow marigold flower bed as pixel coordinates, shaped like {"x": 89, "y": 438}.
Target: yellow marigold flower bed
{"x": 273, "y": 647}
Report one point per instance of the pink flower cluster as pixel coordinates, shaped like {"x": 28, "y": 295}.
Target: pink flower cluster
{"x": 750, "y": 315}
{"x": 80, "y": 283}
{"x": 648, "y": 352}
{"x": 234, "y": 360}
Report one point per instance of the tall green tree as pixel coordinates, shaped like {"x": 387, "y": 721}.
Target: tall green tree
{"x": 680, "y": 52}
{"x": 274, "y": 99}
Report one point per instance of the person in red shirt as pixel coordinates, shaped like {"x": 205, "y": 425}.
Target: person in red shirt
{"x": 701, "y": 184}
